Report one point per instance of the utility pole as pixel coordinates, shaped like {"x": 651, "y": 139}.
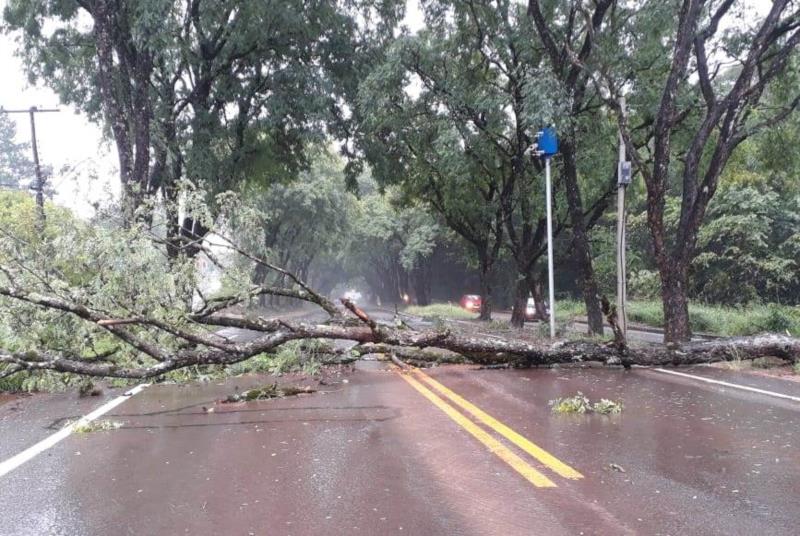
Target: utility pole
{"x": 39, "y": 184}
{"x": 623, "y": 180}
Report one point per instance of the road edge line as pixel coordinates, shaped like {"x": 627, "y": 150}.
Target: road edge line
{"x": 31, "y": 452}
{"x": 731, "y": 385}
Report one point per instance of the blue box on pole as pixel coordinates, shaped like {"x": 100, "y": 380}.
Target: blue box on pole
{"x": 548, "y": 142}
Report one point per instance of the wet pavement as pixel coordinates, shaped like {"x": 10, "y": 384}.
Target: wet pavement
{"x": 373, "y": 456}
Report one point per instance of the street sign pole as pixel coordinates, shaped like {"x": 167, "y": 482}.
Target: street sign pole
{"x": 623, "y": 179}
{"x": 550, "y": 282}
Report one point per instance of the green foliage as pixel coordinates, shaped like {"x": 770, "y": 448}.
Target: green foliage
{"x": 15, "y": 166}
{"x": 234, "y": 89}
{"x": 13, "y": 383}
{"x": 450, "y": 111}
{"x": 391, "y": 240}
{"x": 119, "y": 271}
{"x": 580, "y": 404}
{"x": 704, "y": 318}
{"x": 97, "y": 426}
{"x": 305, "y": 356}
{"x": 748, "y": 247}
{"x": 607, "y": 407}
{"x": 301, "y": 225}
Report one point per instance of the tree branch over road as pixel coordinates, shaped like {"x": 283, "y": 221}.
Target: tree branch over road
{"x": 370, "y": 337}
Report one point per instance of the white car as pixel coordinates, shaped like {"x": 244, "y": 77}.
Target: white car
{"x": 530, "y": 310}
{"x": 352, "y": 295}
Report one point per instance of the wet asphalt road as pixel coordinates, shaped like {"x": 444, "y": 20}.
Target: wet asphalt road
{"x": 373, "y": 456}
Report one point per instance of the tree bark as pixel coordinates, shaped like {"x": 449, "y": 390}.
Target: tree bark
{"x": 422, "y": 284}
{"x": 538, "y": 299}
{"x": 674, "y": 287}
{"x": 486, "y": 289}
{"x": 582, "y": 255}
{"x": 196, "y": 346}
{"x": 520, "y": 304}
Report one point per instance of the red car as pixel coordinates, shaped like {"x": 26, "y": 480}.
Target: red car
{"x": 471, "y": 302}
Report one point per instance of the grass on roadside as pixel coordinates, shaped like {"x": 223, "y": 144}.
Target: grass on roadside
{"x": 440, "y": 310}
{"x": 716, "y": 319}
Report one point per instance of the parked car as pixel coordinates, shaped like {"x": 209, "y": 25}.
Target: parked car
{"x": 471, "y": 302}
{"x": 530, "y": 310}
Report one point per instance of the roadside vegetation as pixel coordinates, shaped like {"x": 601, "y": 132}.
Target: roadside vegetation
{"x": 721, "y": 320}
{"x": 444, "y": 311}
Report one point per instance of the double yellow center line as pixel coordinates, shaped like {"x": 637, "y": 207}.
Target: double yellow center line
{"x": 416, "y": 377}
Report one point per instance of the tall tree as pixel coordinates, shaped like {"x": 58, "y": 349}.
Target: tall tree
{"x": 392, "y": 245}
{"x": 572, "y": 29}
{"x": 708, "y": 99}
{"x": 300, "y": 225}
{"x": 464, "y": 140}
{"x": 202, "y": 89}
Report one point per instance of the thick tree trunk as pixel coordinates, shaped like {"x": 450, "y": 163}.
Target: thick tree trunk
{"x": 422, "y": 284}
{"x": 674, "y": 286}
{"x": 582, "y": 253}
{"x": 538, "y": 299}
{"x": 520, "y": 304}
{"x": 486, "y": 291}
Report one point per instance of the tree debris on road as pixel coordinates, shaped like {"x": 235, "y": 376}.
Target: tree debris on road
{"x": 267, "y": 392}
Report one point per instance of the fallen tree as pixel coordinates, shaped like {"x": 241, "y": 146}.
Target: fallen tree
{"x": 369, "y": 337}
{"x": 130, "y": 319}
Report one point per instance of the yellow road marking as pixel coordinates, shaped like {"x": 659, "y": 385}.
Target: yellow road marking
{"x": 522, "y": 442}
{"x": 504, "y": 453}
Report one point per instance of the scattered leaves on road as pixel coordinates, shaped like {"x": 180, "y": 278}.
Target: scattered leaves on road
{"x": 97, "y": 426}
{"x": 269, "y": 391}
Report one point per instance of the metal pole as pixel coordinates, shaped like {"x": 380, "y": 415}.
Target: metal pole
{"x": 550, "y": 283}
{"x": 622, "y": 287}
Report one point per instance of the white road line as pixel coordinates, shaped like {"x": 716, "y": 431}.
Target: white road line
{"x": 30, "y": 453}
{"x": 731, "y": 385}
